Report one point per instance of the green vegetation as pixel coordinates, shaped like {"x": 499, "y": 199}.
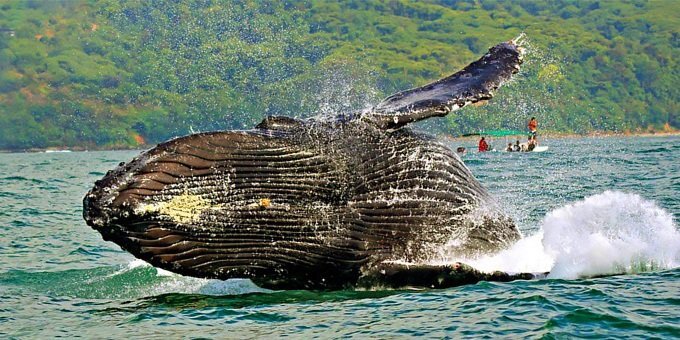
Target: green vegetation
{"x": 119, "y": 73}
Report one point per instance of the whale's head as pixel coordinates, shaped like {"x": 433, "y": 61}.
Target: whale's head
{"x": 157, "y": 207}
{"x": 232, "y": 204}
{"x": 115, "y": 208}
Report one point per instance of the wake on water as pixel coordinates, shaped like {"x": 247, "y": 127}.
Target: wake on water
{"x": 609, "y": 233}
{"x": 605, "y": 234}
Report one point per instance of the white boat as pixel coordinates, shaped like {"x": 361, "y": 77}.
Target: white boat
{"x": 536, "y": 149}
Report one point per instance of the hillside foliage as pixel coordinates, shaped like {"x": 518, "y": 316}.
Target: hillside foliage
{"x": 119, "y": 73}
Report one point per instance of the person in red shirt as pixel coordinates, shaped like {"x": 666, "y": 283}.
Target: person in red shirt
{"x": 533, "y": 126}
{"x": 483, "y": 146}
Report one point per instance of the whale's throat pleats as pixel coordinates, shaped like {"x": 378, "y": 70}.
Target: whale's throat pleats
{"x": 292, "y": 211}
{"x": 239, "y": 204}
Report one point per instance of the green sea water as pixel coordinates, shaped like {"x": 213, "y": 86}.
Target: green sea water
{"x": 588, "y": 208}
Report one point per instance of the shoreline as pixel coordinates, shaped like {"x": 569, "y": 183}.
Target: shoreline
{"x": 53, "y": 149}
{"x": 566, "y": 135}
{"x": 547, "y": 134}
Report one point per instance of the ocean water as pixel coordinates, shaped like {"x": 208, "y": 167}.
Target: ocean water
{"x": 600, "y": 213}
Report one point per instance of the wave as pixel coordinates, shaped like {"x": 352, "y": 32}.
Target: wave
{"x": 134, "y": 280}
{"x": 656, "y": 150}
{"x": 22, "y": 179}
{"x": 609, "y": 233}
{"x": 168, "y": 282}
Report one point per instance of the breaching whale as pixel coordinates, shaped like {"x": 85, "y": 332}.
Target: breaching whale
{"x": 326, "y": 203}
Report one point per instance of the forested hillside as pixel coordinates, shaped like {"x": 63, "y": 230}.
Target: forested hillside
{"x": 118, "y": 73}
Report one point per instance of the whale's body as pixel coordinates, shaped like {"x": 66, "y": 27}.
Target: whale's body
{"x": 315, "y": 204}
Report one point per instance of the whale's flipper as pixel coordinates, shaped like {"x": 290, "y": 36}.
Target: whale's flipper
{"x": 474, "y": 83}
{"x": 403, "y": 275}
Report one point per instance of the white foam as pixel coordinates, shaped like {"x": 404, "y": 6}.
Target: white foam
{"x": 163, "y": 272}
{"x": 609, "y": 233}
{"x": 174, "y": 283}
{"x": 525, "y": 256}
{"x": 136, "y": 263}
{"x": 169, "y": 282}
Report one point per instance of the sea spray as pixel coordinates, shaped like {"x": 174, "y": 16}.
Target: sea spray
{"x": 525, "y": 256}
{"x": 609, "y": 233}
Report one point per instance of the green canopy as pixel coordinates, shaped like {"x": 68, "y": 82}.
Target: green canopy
{"x": 497, "y": 133}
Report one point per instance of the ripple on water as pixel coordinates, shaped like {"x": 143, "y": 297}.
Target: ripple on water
{"x": 22, "y": 179}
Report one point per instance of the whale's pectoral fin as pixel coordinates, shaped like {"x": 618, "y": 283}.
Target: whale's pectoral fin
{"x": 402, "y": 275}
{"x": 473, "y": 84}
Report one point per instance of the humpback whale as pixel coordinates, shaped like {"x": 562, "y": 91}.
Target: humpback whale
{"x": 352, "y": 200}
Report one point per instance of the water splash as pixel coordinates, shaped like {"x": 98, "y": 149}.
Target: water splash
{"x": 342, "y": 87}
{"x": 609, "y": 233}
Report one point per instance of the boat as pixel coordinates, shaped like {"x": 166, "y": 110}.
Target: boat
{"x": 507, "y": 133}
{"x": 540, "y": 149}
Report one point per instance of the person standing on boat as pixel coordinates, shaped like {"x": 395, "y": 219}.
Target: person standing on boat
{"x": 483, "y": 146}
{"x": 533, "y": 127}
